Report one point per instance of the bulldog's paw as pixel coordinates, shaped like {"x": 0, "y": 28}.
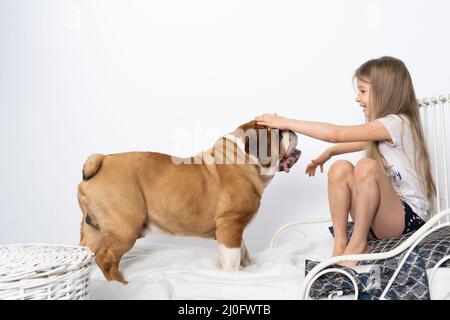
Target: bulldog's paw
{"x": 229, "y": 258}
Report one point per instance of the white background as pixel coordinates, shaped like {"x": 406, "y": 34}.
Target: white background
{"x": 79, "y": 77}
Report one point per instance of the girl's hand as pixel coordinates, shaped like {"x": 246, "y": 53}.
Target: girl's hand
{"x": 320, "y": 161}
{"x": 273, "y": 121}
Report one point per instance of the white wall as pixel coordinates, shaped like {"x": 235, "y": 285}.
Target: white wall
{"x": 78, "y": 77}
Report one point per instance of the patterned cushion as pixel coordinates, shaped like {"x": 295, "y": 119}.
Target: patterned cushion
{"x": 410, "y": 284}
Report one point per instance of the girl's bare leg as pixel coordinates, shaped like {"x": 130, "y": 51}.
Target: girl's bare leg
{"x": 376, "y": 204}
{"x": 340, "y": 181}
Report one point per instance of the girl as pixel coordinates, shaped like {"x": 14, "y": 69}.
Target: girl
{"x": 391, "y": 190}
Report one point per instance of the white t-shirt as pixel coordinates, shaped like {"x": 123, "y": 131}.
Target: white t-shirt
{"x": 399, "y": 157}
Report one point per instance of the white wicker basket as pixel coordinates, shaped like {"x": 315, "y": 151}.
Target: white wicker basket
{"x": 44, "y": 272}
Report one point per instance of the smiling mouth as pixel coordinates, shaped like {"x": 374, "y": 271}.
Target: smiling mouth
{"x": 289, "y": 160}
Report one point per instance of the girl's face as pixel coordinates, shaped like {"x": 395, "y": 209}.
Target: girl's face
{"x": 363, "y": 96}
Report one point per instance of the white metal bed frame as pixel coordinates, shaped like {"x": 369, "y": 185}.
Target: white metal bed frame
{"x": 428, "y": 108}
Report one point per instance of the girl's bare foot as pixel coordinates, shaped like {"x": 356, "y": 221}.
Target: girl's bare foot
{"x": 349, "y": 251}
{"x": 339, "y": 247}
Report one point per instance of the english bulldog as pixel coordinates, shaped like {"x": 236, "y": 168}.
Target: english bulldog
{"x": 213, "y": 194}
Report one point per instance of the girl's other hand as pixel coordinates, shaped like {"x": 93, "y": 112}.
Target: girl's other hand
{"x": 273, "y": 121}
{"x": 320, "y": 161}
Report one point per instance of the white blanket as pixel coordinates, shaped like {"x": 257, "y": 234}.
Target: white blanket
{"x": 183, "y": 272}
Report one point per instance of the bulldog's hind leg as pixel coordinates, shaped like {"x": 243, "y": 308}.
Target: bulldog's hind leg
{"x": 109, "y": 239}
{"x": 110, "y": 245}
{"x": 108, "y": 256}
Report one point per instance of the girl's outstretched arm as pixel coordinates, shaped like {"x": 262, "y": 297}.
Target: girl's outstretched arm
{"x": 335, "y": 150}
{"x": 347, "y": 147}
{"x": 372, "y": 131}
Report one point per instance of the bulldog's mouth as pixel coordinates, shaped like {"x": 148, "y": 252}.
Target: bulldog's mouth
{"x": 289, "y": 160}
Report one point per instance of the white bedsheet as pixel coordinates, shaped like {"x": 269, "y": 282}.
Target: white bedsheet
{"x": 186, "y": 272}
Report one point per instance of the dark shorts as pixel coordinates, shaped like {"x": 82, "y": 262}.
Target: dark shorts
{"x": 412, "y": 221}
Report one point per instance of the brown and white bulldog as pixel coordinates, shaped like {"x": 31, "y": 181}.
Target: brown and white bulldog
{"x": 213, "y": 194}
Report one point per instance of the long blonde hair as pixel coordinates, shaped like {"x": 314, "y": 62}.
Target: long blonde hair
{"x": 392, "y": 92}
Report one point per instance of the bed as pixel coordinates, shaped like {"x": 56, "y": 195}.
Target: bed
{"x": 415, "y": 266}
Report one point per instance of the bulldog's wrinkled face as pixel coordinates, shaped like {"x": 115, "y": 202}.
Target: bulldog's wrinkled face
{"x": 274, "y": 149}
{"x": 289, "y": 150}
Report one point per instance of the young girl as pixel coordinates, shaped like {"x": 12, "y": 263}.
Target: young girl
{"x": 391, "y": 190}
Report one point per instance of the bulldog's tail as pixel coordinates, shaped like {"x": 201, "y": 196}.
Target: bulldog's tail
{"x": 92, "y": 165}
